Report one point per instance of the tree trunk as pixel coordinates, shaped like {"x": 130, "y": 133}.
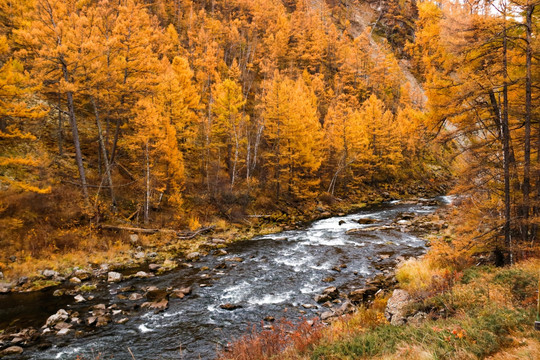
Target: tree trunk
{"x": 506, "y": 148}
{"x": 104, "y": 155}
{"x": 147, "y": 195}
{"x": 528, "y": 110}
{"x": 75, "y": 132}
{"x": 60, "y": 127}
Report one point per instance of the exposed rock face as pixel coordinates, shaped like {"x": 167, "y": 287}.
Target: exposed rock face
{"x": 396, "y": 306}
{"x": 60, "y": 316}
{"x": 114, "y": 277}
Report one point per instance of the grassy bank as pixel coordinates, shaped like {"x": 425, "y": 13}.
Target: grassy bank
{"x": 480, "y": 312}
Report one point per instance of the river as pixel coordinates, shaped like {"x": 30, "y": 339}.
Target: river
{"x": 278, "y": 274}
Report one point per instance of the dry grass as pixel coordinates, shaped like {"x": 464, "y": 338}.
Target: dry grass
{"x": 420, "y": 275}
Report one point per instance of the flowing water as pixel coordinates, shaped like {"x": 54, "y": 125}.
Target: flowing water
{"x": 278, "y": 274}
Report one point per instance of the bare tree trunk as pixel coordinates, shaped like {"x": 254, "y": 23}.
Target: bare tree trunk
{"x": 60, "y": 127}
{"x": 105, "y": 156}
{"x": 528, "y": 110}
{"x": 147, "y": 195}
{"x": 506, "y": 148}
{"x": 75, "y": 132}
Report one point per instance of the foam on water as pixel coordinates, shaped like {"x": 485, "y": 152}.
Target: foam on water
{"x": 271, "y": 299}
{"x": 143, "y": 329}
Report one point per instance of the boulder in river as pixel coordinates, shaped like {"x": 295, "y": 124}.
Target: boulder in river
{"x": 135, "y": 297}
{"x": 79, "y": 298}
{"x": 113, "y": 276}
{"x": 154, "y": 295}
{"x": 160, "y": 305}
{"x": 395, "y": 311}
{"x": 12, "y": 350}
{"x": 230, "y": 306}
{"x": 60, "y": 316}
{"x": 366, "y": 221}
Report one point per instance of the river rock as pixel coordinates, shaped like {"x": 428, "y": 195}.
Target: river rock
{"x": 12, "y": 350}
{"x": 328, "y": 294}
{"x": 154, "y": 267}
{"x": 157, "y": 305}
{"x": 327, "y": 315}
{"x": 139, "y": 255}
{"x": 135, "y": 297}
{"x": 103, "y": 320}
{"x": 22, "y": 280}
{"x": 62, "y": 325}
{"x": 113, "y": 277}
{"x": 405, "y": 216}
{"x": 154, "y": 295}
{"x": 194, "y": 256}
{"x": 1, "y": 275}
{"x": 366, "y": 221}
{"x": 395, "y": 311}
{"x": 341, "y": 222}
{"x": 309, "y": 306}
{"x": 221, "y": 252}
{"x": 329, "y": 279}
{"x": 230, "y": 306}
{"x": 79, "y": 298}
{"x": 134, "y": 239}
{"x": 5, "y": 288}
{"x": 269, "y": 318}
{"x": 218, "y": 241}
{"x": 82, "y": 274}
{"x": 63, "y": 332}
{"x": 235, "y": 259}
{"x": 49, "y": 274}
{"x": 122, "y": 320}
{"x": 75, "y": 280}
{"x": 58, "y": 292}
{"x": 142, "y": 274}
{"x": 91, "y": 320}
{"x": 346, "y": 308}
{"x": 60, "y": 316}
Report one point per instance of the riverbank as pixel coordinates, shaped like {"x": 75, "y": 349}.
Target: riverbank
{"x": 124, "y": 250}
{"x": 436, "y": 312}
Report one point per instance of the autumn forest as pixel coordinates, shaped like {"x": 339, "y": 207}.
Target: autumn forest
{"x": 178, "y": 118}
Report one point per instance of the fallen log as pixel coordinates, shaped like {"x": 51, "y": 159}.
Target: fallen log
{"x": 179, "y": 235}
